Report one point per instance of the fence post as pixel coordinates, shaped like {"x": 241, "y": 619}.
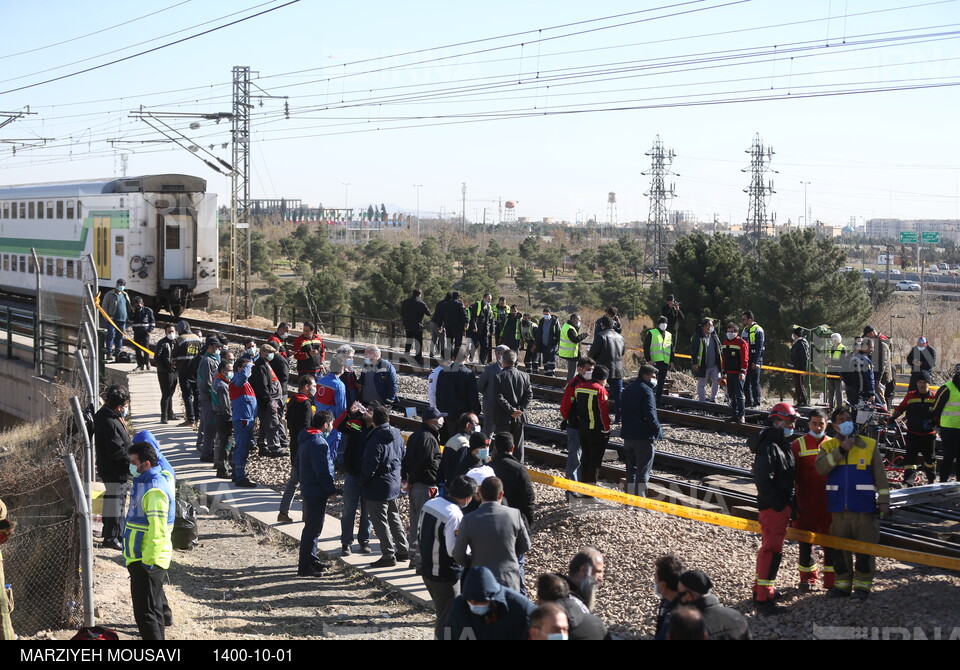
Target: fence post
{"x": 276, "y": 315}
{"x": 293, "y": 316}
{"x": 86, "y": 530}
{"x": 9, "y": 333}
{"x": 353, "y": 328}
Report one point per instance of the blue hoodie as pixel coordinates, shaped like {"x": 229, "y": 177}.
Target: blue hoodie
{"x": 165, "y": 467}
{"x": 507, "y": 619}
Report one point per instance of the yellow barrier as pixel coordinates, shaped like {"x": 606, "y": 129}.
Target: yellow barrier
{"x": 792, "y": 371}
{"x": 713, "y": 518}
{"x": 110, "y": 321}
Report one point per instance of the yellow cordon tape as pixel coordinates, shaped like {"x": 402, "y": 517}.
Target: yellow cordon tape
{"x": 794, "y": 372}
{"x": 713, "y": 518}
{"x": 110, "y": 321}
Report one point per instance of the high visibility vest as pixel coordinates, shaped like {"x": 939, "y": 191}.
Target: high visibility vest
{"x": 660, "y": 346}
{"x": 850, "y": 485}
{"x": 838, "y": 352}
{"x": 950, "y": 417}
{"x": 568, "y": 348}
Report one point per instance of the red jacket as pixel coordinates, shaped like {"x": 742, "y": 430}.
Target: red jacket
{"x": 735, "y": 356}
{"x": 812, "y": 511}
{"x": 592, "y": 411}
{"x": 919, "y": 412}
{"x": 303, "y": 364}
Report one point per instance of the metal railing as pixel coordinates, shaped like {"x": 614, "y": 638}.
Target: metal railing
{"x": 47, "y": 343}
{"x": 356, "y": 328}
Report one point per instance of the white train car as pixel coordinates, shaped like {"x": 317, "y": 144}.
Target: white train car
{"x": 159, "y": 232}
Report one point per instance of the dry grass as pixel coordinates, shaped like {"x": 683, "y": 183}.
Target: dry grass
{"x": 900, "y": 318}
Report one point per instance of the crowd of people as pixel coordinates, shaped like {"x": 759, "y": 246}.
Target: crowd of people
{"x": 470, "y": 497}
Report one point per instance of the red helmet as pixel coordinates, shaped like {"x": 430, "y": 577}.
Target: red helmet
{"x": 783, "y": 410}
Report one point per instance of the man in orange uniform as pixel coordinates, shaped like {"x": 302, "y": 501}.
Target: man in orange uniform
{"x": 812, "y": 514}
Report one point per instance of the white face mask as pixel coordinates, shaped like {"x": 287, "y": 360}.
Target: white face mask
{"x": 710, "y": 329}
{"x": 731, "y": 336}
{"x": 171, "y": 336}
{"x": 661, "y": 327}
{"x": 587, "y": 374}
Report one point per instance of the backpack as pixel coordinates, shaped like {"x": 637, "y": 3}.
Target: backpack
{"x": 185, "y": 529}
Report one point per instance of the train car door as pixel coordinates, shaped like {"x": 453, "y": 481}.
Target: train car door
{"x": 175, "y": 230}
{"x": 101, "y": 245}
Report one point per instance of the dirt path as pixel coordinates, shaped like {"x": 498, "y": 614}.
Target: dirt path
{"x": 242, "y": 584}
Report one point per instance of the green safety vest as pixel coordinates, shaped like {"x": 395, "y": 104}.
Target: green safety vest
{"x": 950, "y": 417}
{"x": 568, "y": 348}
{"x": 660, "y": 346}
{"x": 838, "y": 352}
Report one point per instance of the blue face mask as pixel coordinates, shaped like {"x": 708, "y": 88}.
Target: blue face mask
{"x": 270, "y": 356}
{"x": 479, "y": 610}
{"x": 846, "y": 428}
{"x": 483, "y": 454}
{"x": 787, "y": 432}
{"x": 818, "y": 435}
{"x": 557, "y": 636}
{"x": 133, "y": 470}
{"x": 121, "y": 288}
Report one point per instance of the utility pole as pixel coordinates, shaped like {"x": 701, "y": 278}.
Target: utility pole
{"x": 806, "y": 214}
{"x": 655, "y": 252}
{"x": 417, "y": 186}
{"x": 463, "y": 207}
{"x": 240, "y": 196}
{"x": 757, "y": 224}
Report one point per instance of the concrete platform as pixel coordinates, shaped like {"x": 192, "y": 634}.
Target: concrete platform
{"x": 260, "y": 504}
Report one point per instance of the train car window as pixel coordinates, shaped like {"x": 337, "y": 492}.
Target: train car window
{"x": 23, "y": 210}
{"x": 59, "y": 267}
{"x": 30, "y": 212}
{"x": 6, "y": 210}
{"x": 119, "y": 245}
{"x": 50, "y": 267}
{"x": 13, "y": 264}
{"x": 70, "y": 269}
{"x": 31, "y": 267}
{"x": 172, "y": 237}
{"x": 69, "y": 209}
{"x": 59, "y": 209}
{"x": 40, "y": 209}
{"x": 79, "y": 209}
{"x": 6, "y": 262}
{"x": 49, "y": 209}
{"x": 13, "y": 210}
{"x": 23, "y": 263}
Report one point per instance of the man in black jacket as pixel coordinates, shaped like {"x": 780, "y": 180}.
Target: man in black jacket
{"x": 457, "y": 390}
{"x": 455, "y": 321}
{"x": 775, "y": 474}
{"x": 413, "y": 311}
{"x": 517, "y": 488}
{"x": 267, "y": 388}
{"x": 799, "y": 359}
{"x": 142, "y": 321}
{"x": 354, "y": 426}
{"x": 513, "y": 393}
{"x": 607, "y": 350}
{"x": 418, "y": 472}
{"x": 166, "y": 375}
{"x": 113, "y": 461}
{"x": 437, "y": 338}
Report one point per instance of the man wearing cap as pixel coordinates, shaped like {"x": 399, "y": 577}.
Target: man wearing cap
{"x": 187, "y": 346}
{"x": 116, "y": 304}
{"x": 269, "y": 395}
{"x": 723, "y": 623}
{"x": 418, "y": 471}
{"x": 206, "y": 376}
{"x": 917, "y": 405}
{"x": 548, "y": 333}
{"x": 946, "y": 412}
{"x": 439, "y": 523}
{"x": 486, "y": 610}
{"x": 6, "y": 599}
{"x": 142, "y": 322}
{"x": 922, "y": 358}
{"x": 331, "y": 395}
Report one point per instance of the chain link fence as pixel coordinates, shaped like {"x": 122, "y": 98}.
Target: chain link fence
{"x": 42, "y": 557}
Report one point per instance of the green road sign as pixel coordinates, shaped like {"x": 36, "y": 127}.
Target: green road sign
{"x": 908, "y": 237}
{"x": 929, "y": 237}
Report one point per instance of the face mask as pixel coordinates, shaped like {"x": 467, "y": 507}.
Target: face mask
{"x": 656, "y": 590}
{"x": 557, "y": 636}
{"x": 920, "y": 348}
{"x": 483, "y": 454}
{"x": 587, "y": 374}
{"x": 252, "y": 351}
{"x": 229, "y": 376}
{"x": 440, "y": 422}
{"x": 326, "y": 433}
{"x": 730, "y": 336}
{"x": 787, "y": 432}
{"x": 846, "y": 428}
{"x": 171, "y": 336}
{"x": 270, "y": 356}
{"x": 661, "y": 327}
{"x": 546, "y": 316}
{"x": 120, "y": 289}
{"x": 653, "y": 381}
{"x": 476, "y": 429}
{"x": 710, "y": 329}
{"x": 133, "y": 470}
{"x": 285, "y": 336}
{"x": 818, "y": 435}
{"x": 367, "y": 361}
{"x": 126, "y": 410}
{"x": 479, "y": 610}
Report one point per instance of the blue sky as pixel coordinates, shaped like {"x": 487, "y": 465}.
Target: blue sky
{"x": 437, "y": 117}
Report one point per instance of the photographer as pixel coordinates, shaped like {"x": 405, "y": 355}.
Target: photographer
{"x": 672, "y": 311}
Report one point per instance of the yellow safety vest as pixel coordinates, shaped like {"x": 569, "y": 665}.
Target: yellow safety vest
{"x": 568, "y": 348}
{"x": 950, "y": 417}
{"x": 660, "y": 346}
{"x": 838, "y": 352}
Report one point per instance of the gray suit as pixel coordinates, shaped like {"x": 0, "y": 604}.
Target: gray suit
{"x": 496, "y": 535}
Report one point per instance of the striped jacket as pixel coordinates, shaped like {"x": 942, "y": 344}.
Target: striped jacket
{"x": 243, "y": 401}
{"x": 437, "y": 532}
{"x": 149, "y": 524}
